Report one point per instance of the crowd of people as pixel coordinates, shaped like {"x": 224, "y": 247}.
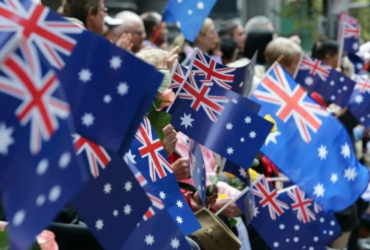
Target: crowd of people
{"x": 232, "y": 44}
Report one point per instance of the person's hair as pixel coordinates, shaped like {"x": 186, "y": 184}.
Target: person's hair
{"x": 257, "y": 40}
{"x": 181, "y": 42}
{"x": 322, "y": 48}
{"x": 227, "y": 27}
{"x": 228, "y": 47}
{"x": 152, "y": 56}
{"x": 150, "y": 23}
{"x": 282, "y": 46}
{"x": 257, "y": 22}
{"x": 79, "y": 9}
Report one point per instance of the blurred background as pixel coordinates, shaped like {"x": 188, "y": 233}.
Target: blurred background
{"x": 309, "y": 19}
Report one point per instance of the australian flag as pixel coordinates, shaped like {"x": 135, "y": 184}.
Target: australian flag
{"x": 310, "y": 215}
{"x": 238, "y": 171}
{"x": 39, "y": 171}
{"x": 200, "y": 107}
{"x": 323, "y": 79}
{"x": 112, "y": 202}
{"x": 144, "y": 237}
{"x": 96, "y": 106}
{"x": 188, "y": 15}
{"x": 197, "y": 169}
{"x": 349, "y": 33}
{"x": 272, "y": 214}
{"x": 359, "y": 104}
{"x": 313, "y": 135}
{"x": 148, "y": 156}
{"x": 237, "y": 79}
{"x": 357, "y": 61}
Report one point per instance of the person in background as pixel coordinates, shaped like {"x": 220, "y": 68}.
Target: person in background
{"x": 257, "y": 41}
{"x": 205, "y": 41}
{"x": 233, "y": 29}
{"x": 110, "y": 24}
{"x": 131, "y": 24}
{"x": 216, "y": 53}
{"x": 152, "y": 20}
{"x": 258, "y": 23}
{"x": 88, "y": 13}
{"x": 230, "y": 51}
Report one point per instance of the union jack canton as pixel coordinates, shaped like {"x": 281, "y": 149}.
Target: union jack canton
{"x": 332, "y": 85}
{"x": 359, "y": 104}
{"x": 39, "y": 27}
{"x": 148, "y": 155}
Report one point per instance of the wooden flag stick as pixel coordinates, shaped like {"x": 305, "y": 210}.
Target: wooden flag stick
{"x": 280, "y": 58}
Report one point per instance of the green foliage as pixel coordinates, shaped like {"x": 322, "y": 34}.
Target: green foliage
{"x": 158, "y": 119}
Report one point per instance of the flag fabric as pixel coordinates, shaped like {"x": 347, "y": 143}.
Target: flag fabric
{"x": 99, "y": 89}
{"x": 144, "y": 237}
{"x": 245, "y": 202}
{"x": 197, "y": 169}
{"x": 236, "y": 79}
{"x": 317, "y": 76}
{"x": 53, "y": 35}
{"x": 311, "y": 215}
{"x": 112, "y": 202}
{"x": 64, "y": 46}
{"x": 357, "y": 62}
{"x": 148, "y": 156}
{"x": 349, "y": 33}
{"x": 219, "y": 112}
{"x": 39, "y": 171}
{"x": 188, "y": 15}
{"x": 315, "y": 137}
{"x": 359, "y": 104}
{"x": 238, "y": 171}
{"x": 273, "y": 215}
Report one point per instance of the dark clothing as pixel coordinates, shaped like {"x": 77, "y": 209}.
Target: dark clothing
{"x": 255, "y": 240}
{"x": 353, "y": 240}
{"x": 257, "y": 40}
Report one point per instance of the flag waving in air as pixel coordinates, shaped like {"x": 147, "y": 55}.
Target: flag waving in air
{"x": 314, "y": 136}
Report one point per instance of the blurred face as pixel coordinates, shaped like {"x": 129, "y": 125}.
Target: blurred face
{"x": 162, "y": 37}
{"x": 332, "y": 60}
{"x": 207, "y": 41}
{"x": 239, "y": 36}
{"x": 138, "y": 35}
{"x": 293, "y": 66}
{"x": 95, "y": 21}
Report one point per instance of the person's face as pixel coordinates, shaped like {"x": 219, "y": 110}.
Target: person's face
{"x": 162, "y": 37}
{"x": 138, "y": 36}
{"x": 208, "y": 39}
{"x": 331, "y": 60}
{"x": 239, "y": 36}
{"x": 293, "y": 66}
{"x": 95, "y": 22}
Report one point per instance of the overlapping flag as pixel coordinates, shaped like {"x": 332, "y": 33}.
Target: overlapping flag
{"x": 314, "y": 135}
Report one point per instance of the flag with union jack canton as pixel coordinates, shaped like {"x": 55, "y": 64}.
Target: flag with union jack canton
{"x": 313, "y": 135}
{"x": 238, "y": 79}
{"x": 144, "y": 237}
{"x": 309, "y": 214}
{"x": 112, "y": 202}
{"x": 317, "y": 76}
{"x": 148, "y": 155}
{"x": 39, "y": 172}
{"x": 54, "y": 36}
{"x": 349, "y": 33}
{"x": 271, "y": 214}
{"x": 218, "y": 111}
{"x": 359, "y": 104}
{"x": 357, "y": 61}
{"x": 245, "y": 202}
{"x": 64, "y": 46}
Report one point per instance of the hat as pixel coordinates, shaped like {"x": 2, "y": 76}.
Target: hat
{"x": 111, "y": 22}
